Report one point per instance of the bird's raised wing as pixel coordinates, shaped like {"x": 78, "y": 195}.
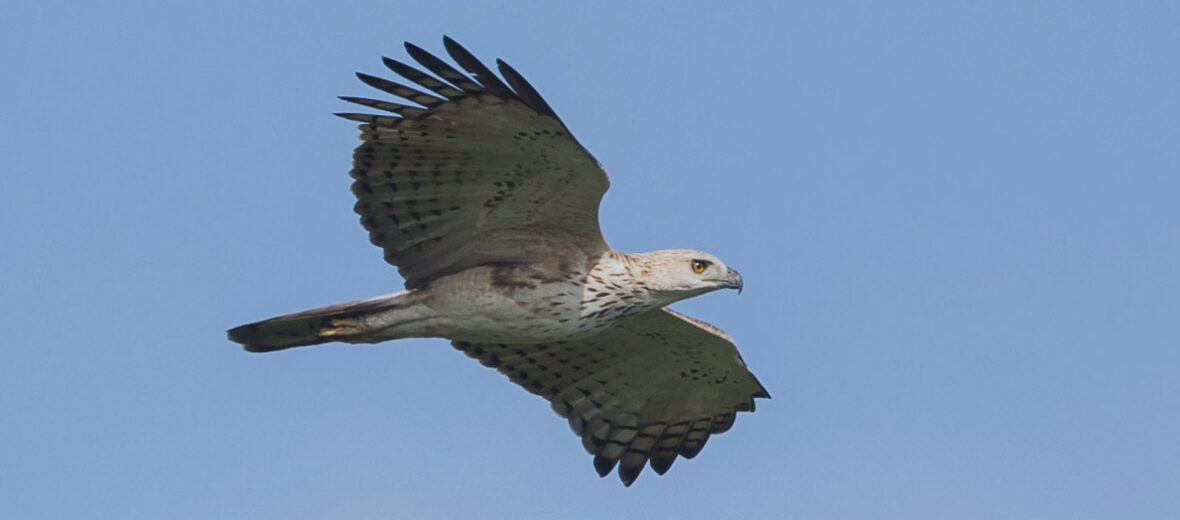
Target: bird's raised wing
{"x": 481, "y": 171}
{"x": 652, "y": 387}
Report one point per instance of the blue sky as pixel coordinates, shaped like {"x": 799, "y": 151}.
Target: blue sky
{"x": 957, "y": 222}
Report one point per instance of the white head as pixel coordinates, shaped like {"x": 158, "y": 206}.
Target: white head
{"x": 676, "y": 274}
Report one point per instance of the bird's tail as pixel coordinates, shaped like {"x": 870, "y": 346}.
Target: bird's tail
{"x": 312, "y": 327}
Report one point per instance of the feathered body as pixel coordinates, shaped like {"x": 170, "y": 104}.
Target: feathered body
{"x": 489, "y": 208}
{"x": 520, "y": 303}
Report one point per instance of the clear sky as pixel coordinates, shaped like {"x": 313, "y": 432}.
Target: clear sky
{"x": 958, "y": 225}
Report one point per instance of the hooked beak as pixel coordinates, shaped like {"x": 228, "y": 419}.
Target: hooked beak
{"x": 733, "y": 280}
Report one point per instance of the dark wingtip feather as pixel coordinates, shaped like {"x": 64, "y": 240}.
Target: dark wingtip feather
{"x": 662, "y": 464}
{"x": 361, "y": 118}
{"x": 450, "y": 44}
{"x": 431, "y": 83}
{"x": 372, "y": 81}
{"x": 399, "y": 67}
{"x": 628, "y": 473}
{"x": 443, "y": 69}
{"x": 604, "y": 465}
{"x": 411, "y": 48}
{"x": 689, "y": 451}
{"x": 472, "y": 65}
{"x": 525, "y": 90}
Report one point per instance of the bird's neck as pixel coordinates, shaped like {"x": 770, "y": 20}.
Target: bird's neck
{"x": 615, "y": 286}
{"x": 629, "y": 277}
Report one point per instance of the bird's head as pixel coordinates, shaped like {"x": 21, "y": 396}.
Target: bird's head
{"x": 676, "y": 274}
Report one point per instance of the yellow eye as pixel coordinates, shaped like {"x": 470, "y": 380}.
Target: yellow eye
{"x": 698, "y": 266}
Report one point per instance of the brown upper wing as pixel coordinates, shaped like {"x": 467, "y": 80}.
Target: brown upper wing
{"x": 653, "y": 387}
{"x": 481, "y": 171}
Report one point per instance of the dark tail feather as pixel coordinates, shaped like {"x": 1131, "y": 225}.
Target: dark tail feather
{"x": 312, "y": 327}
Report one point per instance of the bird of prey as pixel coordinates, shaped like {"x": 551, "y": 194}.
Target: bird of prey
{"x": 488, "y": 206}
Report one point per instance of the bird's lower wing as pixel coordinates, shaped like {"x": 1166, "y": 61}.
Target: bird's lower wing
{"x": 653, "y": 387}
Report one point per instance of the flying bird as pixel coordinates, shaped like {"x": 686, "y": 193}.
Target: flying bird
{"x": 488, "y": 206}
